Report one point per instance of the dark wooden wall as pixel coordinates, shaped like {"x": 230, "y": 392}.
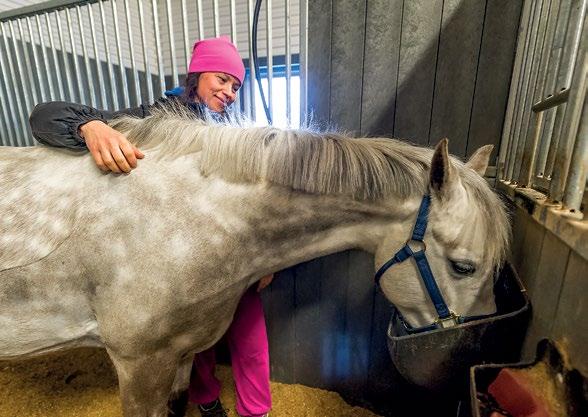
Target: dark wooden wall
{"x": 415, "y": 69}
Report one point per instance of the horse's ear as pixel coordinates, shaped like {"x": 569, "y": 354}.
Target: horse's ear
{"x": 442, "y": 175}
{"x": 480, "y": 159}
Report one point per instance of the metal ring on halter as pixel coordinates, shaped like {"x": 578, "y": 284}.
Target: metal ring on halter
{"x": 450, "y": 321}
{"x": 420, "y": 243}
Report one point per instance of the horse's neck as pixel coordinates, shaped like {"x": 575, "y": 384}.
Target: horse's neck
{"x": 282, "y": 228}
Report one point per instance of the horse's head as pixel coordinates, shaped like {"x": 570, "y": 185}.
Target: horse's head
{"x": 466, "y": 237}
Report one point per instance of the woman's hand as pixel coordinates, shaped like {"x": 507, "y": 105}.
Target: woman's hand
{"x": 264, "y": 282}
{"x": 110, "y": 149}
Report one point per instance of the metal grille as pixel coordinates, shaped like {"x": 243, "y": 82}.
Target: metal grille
{"x": 113, "y": 54}
{"x": 544, "y": 143}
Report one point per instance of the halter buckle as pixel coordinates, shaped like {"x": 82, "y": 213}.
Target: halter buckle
{"x": 451, "y": 321}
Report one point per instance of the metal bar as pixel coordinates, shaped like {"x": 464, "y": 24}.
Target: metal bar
{"x": 97, "y": 58}
{"x": 288, "y": 62}
{"x": 86, "y": 58}
{"x": 134, "y": 70}
{"x": 45, "y": 58}
{"x": 303, "y": 61}
{"x": 185, "y": 32}
{"x": 40, "y": 8}
{"x": 506, "y": 143}
{"x": 27, "y": 63}
{"x": 573, "y": 109}
{"x": 215, "y": 17}
{"x": 82, "y": 92}
{"x": 532, "y": 129}
{"x": 172, "y": 43}
{"x": 54, "y": 56}
{"x": 269, "y": 58}
{"x": 200, "y": 20}
{"x": 145, "y": 52}
{"x": 113, "y": 87}
{"x": 36, "y": 58}
{"x": 7, "y": 109}
{"x": 530, "y": 79}
{"x": 18, "y": 109}
{"x": 158, "y": 48}
{"x": 64, "y": 57}
{"x": 6, "y": 138}
{"x": 233, "y": 22}
{"x": 251, "y": 108}
{"x": 27, "y": 103}
{"x": 121, "y": 64}
{"x": 521, "y": 88}
{"x": 576, "y": 181}
{"x": 552, "y": 101}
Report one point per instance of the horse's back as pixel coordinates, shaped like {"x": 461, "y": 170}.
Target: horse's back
{"x": 39, "y": 200}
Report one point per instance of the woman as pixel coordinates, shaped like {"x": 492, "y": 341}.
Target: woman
{"x": 215, "y": 74}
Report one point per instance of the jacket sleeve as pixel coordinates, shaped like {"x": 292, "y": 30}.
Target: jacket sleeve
{"x": 56, "y": 123}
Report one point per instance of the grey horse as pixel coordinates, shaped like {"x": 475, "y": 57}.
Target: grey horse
{"x": 151, "y": 265}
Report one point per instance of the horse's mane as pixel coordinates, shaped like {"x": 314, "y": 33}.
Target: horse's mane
{"x": 307, "y": 160}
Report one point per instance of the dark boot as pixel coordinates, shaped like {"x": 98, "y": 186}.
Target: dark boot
{"x": 212, "y": 409}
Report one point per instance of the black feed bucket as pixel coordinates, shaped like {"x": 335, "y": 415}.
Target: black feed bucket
{"x": 439, "y": 360}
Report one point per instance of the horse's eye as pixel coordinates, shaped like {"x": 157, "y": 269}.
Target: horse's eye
{"x": 462, "y": 268}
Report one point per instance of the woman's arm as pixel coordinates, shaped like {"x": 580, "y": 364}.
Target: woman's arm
{"x": 78, "y": 126}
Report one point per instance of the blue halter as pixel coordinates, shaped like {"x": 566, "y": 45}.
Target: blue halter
{"x": 446, "y": 317}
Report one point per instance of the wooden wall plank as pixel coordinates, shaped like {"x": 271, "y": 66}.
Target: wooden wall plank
{"x": 544, "y": 289}
{"x": 347, "y": 63}
{"x": 319, "y": 62}
{"x": 457, "y": 61}
{"x": 494, "y": 73}
{"x": 421, "y": 21}
{"x": 382, "y": 46}
{"x": 570, "y": 327}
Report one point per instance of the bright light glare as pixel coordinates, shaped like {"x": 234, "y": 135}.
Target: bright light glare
{"x": 279, "y": 102}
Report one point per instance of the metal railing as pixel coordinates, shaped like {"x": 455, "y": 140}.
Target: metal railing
{"x": 545, "y": 136}
{"x": 114, "y": 54}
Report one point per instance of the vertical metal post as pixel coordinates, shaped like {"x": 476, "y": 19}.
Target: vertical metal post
{"x": 6, "y": 138}
{"x": 121, "y": 64}
{"x": 145, "y": 52}
{"x": 576, "y": 76}
{"x": 54, "y": 55}
{"x": 18, "y": 109}
{"x": 36, "y": 59}
{"x": 64, "y": 58}
{"x": 86, "y": 58}
{"x": 134, "y": 71}
{"x": 270, "y": 61}
{"x": 576, "y": 181}
{"x": 45, "y": 58}
{"x": 7, "y": 109}
{"x": 233, "y": 22}
{"x": 303, "y": 62}
{"x": 113, "y": 86}
{"x": 97, "y": 58}
{"x": 27, "y": 103}
{"x": 215, "y": 17}
{"x": 158, "y": 47}
{"x": 288, "y": 62}
{"x": 506, "y": 143}
{"x": 251, "y": 109}
{"x": 200, "y": 19}
{"x": 185, "y": 32}
{"x": 172, "y": 43}
{"x": 31, "y": 94}
{"x": 82, "y": 92}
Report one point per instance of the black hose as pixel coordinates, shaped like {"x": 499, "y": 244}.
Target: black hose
{"x": 256, "y": 63}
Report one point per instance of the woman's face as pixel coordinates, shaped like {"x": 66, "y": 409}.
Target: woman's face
{"x": 217, "y": 90}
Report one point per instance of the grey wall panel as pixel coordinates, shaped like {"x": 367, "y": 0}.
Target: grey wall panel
{"x": 347, "y": 45}
{"x": 531, "y": 254}
{"x": 459, "y": 46}
{"x": 380, "y": 75}
{"x": 544, "y": 289}
{"x": 570, "y": 327}
{"x": 421, "y": 21}
{"x": 494, "y": 73}
{"x": 319, "y": 65}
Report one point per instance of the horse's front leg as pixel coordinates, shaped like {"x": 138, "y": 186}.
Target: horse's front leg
{"x": 145, "y": 383}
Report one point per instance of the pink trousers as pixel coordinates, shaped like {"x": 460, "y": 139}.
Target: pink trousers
{"x": 247, "y": 339}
